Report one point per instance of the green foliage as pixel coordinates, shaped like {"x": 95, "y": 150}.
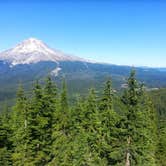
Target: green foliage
{"x": 161, "y": 151}
{"x": 18, "y": 122}
{"x": 159, "y": 100}
{"x": 140, "y": 124}
{"x": 63, "y": 98}
{"x": 5, "y": 133}
{"x": 42, "y": 120}
{"x": 106, "y": 101}
{"x": 45, "y": 130}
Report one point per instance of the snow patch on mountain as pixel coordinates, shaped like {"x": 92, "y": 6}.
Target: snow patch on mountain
{"x": 32, "y": 51}
{"x": 55, "y": 72}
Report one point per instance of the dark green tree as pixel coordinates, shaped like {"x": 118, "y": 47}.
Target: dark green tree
{"x": 96, "y": 130}
{"x": 110, "y": 129}
{"x": 161, "y": 148}
{"x": 19, "y": 122}
{"x": 86, "y": 134}
{"x": 107, "y": 97}
{"x": 140, "y": 125}
{"x": 42, "y": 119}
{"x": 61, "y": 130}
{"x": 5, "y": 134}
{"x": 50, "y": 108}
{"x": 63, "y": 97}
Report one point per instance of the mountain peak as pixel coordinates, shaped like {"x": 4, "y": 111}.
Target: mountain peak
{"x": 32, "y": 41}
{"x": 33, "y": 50}
{"x": 32, "y": 45}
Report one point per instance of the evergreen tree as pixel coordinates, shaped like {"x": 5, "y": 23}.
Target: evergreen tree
{"x": 50, "y": 88}
{"x": 5, "y": 142}
{"x": 19, "y": 128}
{"x": 85, "y": 134}
{"x": 41, "y": 119}
{"x": 49, "y": 104}
{"x": 110, "y": 128}
{"x": 106, "y": 101}
{"x": 140, "y": 147}
{"x": 63, "y": 97}
{"x": 106, "y": 130}
{"x": 161, "y": 148}
{"x": 61, "y": 130}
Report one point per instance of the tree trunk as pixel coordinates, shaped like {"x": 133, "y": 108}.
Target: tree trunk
{"x": 128, "y": 153}
{"x": 25, "y": 124}
{"x": 127, "y": 159}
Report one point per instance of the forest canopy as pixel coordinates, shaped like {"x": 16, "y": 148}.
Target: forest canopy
{"x": 105, "y": 130}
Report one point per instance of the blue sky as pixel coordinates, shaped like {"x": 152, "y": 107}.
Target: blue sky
{"x": 112, "y": 31}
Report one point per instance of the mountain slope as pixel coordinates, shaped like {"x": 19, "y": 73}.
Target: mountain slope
{"x": 33, "y": 51}
{"x": 32, "y": 59}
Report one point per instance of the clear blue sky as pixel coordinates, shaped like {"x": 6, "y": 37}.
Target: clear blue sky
{"x": 113, "y": 31}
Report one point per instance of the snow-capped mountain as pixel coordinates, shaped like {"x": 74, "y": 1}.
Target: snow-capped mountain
{"x": 32, "y": 51}
{"x": 33, "y": 60}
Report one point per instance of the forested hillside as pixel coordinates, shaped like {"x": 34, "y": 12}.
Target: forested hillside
{"x": 98, "y": 130}
{"x": 159, "y": 100}
{"x": 80, "y": 76}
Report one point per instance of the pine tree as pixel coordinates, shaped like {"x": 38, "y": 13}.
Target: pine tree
{"x": 110, "y": 129}
{"x": 140, "y": 147}
{"x": 61, "y": 130}
{"x": 85, "y": 132}
{"x": 96, "y": 137}
{"x": 106, "y": 101}
{"x": 41, "y": 120}
{"x": 50, "y": 104}
{"x": 161, "y": 147}
{"x": 19, "y": 128}
{"x": 63, "y": 97}
{"x": 46, "y": 130}
{"x": 50, "y": 88}
{"x": 5, "y": 133}
{"x": 148, "y": 123}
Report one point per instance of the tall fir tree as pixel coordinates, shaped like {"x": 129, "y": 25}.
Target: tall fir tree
{"x": 41, "y": 119}
{"x": 63, "y": 97}
{"x": 50, "y": 106}
{"x": 19, "y": 127}
{"x": 86, "y": 145}
{"x": 5, "y": 134}
{"x": 161, "y": 147}
{"x": 140, "y": 147}
{"x": 110, "y": 129}
{"x": 107, "y": 97}
{"x": 61, "y": 130}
